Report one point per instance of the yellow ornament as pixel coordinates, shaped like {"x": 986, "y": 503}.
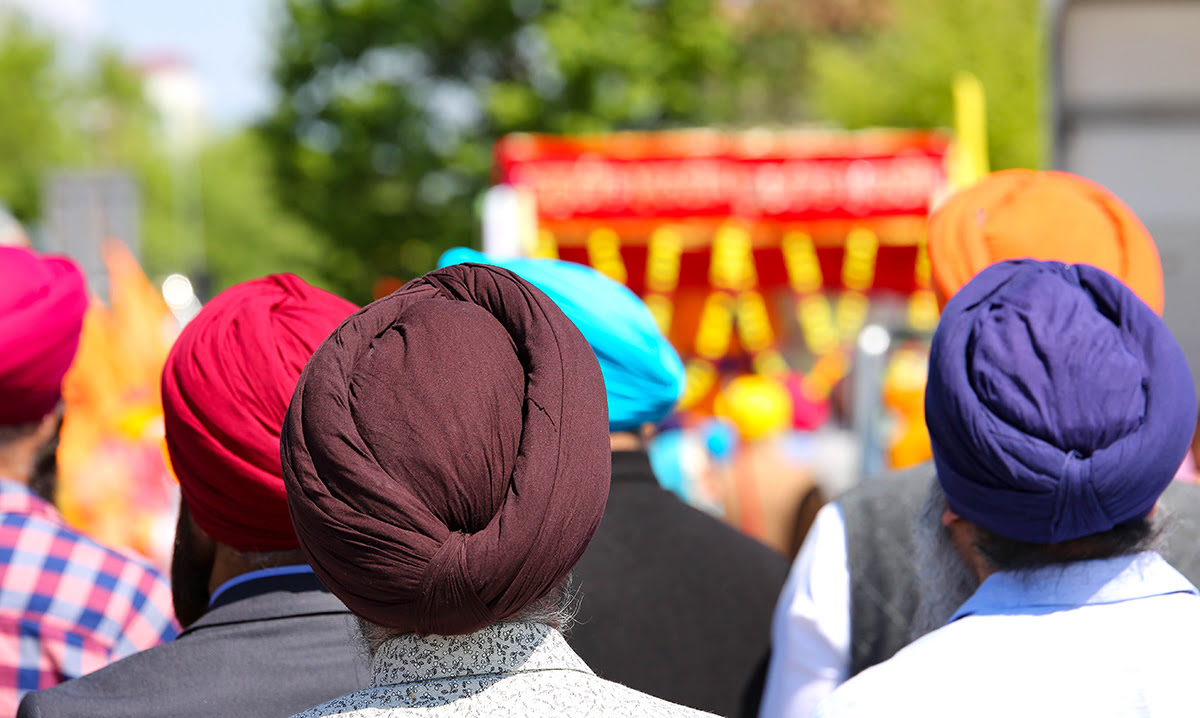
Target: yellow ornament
{"x": 759, "y": 406}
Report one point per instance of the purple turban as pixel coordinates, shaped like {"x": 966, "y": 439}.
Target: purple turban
{"x": 1058, "y": 404}
{"x": 446, "y": 452}
{"x": 42, "y": 302}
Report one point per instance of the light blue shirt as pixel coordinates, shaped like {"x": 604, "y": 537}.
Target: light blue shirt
{"x": 1114, "y": 637}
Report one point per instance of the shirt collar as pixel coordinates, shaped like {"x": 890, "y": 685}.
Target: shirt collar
{"x": 498, "y": 649}
{"x": 1084, "y": 583}
{"x": 17, "y": 498}
{"x": 253, "y": 575}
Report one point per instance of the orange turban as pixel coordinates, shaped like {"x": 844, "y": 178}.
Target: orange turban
{"x": 1057, "y": 216}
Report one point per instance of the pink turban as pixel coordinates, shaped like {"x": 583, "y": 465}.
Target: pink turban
{"x": 225, "y": 388}
{"x": 42, "y": 301}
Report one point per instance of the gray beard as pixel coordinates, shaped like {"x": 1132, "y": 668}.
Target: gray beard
{"x": 945, "y": 581}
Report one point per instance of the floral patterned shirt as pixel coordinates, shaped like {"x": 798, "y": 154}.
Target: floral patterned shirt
{"x": 509, "y": 669}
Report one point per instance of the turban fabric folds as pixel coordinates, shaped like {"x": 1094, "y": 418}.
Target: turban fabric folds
{"x": 1058, "y": 404}
{"x": 643, "y": 375}
{"x": 446, "y": 452}
{"x": 1019, "y": 214}
{"x": 225, "y": 389}
{"x": 42, "y": 302}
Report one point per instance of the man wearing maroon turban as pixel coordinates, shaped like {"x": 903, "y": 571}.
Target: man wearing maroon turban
{"x": 263, "y": 637}
{"x": 447, "y": 462}
{"x": 67, "y": 604}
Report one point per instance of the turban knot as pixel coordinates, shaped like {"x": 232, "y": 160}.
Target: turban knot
{"x": 643, "y": 375}
{"x": 1018, "y": 214}
{"x": 42, "y": 302}
{"x": 1058, "y": 404}
{"x": 225, "y": 388}
{"x": 446, "y": 452}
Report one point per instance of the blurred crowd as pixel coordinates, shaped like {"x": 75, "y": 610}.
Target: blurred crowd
{"x": 466, "y": 498}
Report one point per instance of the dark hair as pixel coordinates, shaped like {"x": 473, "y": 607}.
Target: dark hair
{"x": 1131, "y": 537}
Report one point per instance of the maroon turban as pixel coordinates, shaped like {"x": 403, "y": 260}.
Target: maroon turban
{"x": 446, "y": 452}
{"x": 42, "y": 301}
{"x": 225, "y": 389}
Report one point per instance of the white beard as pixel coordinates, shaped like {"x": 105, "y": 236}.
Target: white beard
{"x": 944, "y": 580}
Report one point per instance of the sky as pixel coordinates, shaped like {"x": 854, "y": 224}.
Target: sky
{"x": 227, "y": 43}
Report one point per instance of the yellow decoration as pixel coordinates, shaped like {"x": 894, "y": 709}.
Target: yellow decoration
{"x": 716, "y": 326}
{"x": 969, "y": 157}
{"x": 754, "y": 324}
{"x": 851, "y": 311}
{"x": 547, "y": 245}
{"x": 699, "y": 378}
{"x": 922, "y": 272}
{"x": 732, "y": 264}
{"x": 904, "y": 394}
{"x": 858, "y": 266}
{"x": 923, "y": 310}
{"x": 826, "y": 373}
{"x": 604, "y": 253}
{"x": 758, "y": 406}
{"x": 662, "y": 309}
{"x": 800, "y": 260}
{"x": 816, "y": 323}
{"x": 662, "y": 260}
{"x": 770, "y": 363}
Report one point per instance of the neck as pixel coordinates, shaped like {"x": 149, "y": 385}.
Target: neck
{"x": 626, "y": 441}
{"x": 230, "y": 563}
{"x": 17, "y": 457}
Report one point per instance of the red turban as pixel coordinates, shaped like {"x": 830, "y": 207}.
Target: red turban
{"x": 42, "y": 301}
{"x": 446, "y": 453}
{"x": 1058, "y": 216}
{"x": 225, "y": 389}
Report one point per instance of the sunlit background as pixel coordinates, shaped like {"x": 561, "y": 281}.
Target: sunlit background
{"x": 758, "y": 170}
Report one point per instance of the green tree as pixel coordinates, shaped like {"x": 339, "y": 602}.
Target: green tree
{"x": 383, "y": 132}
{"x": 32, "y": 135}
{"x": 247, "y": 234}
{"x": 902, "y": 75}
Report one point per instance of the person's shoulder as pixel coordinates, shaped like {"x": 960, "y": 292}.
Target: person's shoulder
{"x": 907, "y": 484}
{"x": 118, "y": 689}
{"x": 887, "y": 686}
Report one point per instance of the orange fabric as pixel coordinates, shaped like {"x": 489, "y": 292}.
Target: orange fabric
{"x": 1057, "y": 216}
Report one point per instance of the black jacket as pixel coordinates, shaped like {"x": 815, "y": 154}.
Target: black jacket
{"x": 271, "y": 646}
{"x": 675, "y": 603}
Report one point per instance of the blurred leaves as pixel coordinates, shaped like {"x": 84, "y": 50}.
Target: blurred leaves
{"x": 902, "y": 75}
{"x": 382, "y": 136}
{"x": 248, "y": 234}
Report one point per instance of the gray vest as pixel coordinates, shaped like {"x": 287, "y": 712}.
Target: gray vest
{"x": 879, "y": 516}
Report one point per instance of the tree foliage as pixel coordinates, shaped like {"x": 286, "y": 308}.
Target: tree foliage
{"x": 247, "y": 233}
{"x": 389, "y": 108}
{"x": 901, "y": 76}
{"x": 31, "y": 134}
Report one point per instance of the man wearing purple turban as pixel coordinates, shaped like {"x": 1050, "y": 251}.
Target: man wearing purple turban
{"x": 1059, "y": 407}
{"x": 446, "y": 458}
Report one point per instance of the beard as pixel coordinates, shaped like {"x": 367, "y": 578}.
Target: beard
{"x": 191, "y": 567}
{"x": 43, "y": 476}
{"x": 944, "y": 579}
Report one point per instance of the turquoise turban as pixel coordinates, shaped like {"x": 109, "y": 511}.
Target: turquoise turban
{"x": 643, "y": 375}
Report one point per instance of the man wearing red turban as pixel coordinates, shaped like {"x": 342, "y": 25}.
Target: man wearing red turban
{"x": 263, "y": 636}
{"x": 67, "y": 604}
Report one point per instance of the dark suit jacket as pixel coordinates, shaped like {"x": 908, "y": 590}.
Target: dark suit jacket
{"x": 271, "y": 646}
{"x": 675, "y": 603}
